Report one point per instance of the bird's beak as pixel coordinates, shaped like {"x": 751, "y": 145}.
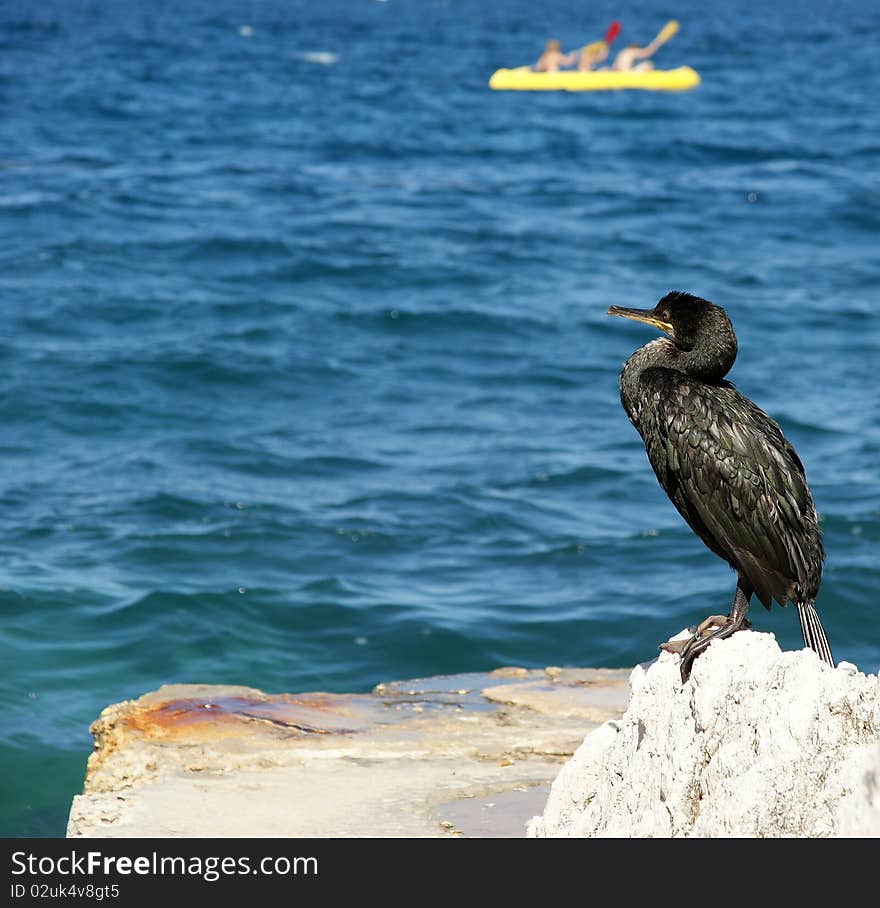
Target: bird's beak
{"x": 640, "y": 315}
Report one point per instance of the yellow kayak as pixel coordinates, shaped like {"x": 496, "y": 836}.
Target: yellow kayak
{"x": 523, "y": 78}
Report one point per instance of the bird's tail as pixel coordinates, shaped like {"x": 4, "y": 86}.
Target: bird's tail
{"x": 814, "y": 633}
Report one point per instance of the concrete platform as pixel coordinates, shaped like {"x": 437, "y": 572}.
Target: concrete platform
{"x": 462, "y": 755}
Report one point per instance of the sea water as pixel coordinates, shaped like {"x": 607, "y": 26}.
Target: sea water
{"x": 305, "y": 373}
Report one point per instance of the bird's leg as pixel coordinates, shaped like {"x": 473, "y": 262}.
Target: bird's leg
{"x": 724, "y": 627}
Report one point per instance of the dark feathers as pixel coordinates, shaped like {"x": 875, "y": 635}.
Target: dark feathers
{"x": 736, "y": 480}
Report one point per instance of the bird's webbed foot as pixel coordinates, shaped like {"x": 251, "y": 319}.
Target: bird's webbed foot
{"x": 715, "y": 627}
{"x": 678, "y": 646}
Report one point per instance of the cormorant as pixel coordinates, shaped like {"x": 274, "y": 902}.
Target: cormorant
{"x": 726, "y": 466}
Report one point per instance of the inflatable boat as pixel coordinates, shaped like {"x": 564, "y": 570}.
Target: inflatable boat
{"x": 524, "y": 78}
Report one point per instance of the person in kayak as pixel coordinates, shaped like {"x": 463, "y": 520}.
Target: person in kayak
{"x": 625, "y": 61}
{"x": 592, "y": 54}
{"x": 552, "y": 58}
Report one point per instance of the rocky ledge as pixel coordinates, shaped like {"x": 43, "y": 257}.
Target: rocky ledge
{"x": 757, "y": 743}
{"x": 469, "y": 755}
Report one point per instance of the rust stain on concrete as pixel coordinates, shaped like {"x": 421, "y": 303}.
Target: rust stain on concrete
{"x": 197, "y": 719}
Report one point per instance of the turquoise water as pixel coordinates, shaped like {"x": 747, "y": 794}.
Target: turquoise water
{"x": 306, "y": 379}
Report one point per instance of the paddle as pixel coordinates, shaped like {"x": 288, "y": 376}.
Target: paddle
{"x": 612, "y": 33}
{"x": 598, "y": 46}
{"x": 665, "y": 33}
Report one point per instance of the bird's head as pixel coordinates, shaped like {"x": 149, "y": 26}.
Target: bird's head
{"x": 701, "y": 333}
{"x": 687, "y": 320}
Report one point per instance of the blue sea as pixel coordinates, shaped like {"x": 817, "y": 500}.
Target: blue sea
{"x": 306, "y": 381}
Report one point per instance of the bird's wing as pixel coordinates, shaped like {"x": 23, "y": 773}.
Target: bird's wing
{"x": 736, "y": 480}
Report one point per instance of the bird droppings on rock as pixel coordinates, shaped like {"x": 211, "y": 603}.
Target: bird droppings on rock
{"x": 758, "y": 743}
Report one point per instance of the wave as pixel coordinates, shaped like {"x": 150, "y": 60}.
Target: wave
{"x": 323, "y": 57}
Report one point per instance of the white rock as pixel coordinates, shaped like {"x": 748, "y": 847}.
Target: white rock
{"x": 757, "y": 743}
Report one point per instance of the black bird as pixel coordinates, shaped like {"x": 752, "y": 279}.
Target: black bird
{"x": 726, "y": 466}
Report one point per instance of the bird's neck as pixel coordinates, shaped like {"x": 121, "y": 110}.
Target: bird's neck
{"x": 709, "y": 361}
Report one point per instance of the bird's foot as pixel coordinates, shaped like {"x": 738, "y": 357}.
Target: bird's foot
{"x": 677, "y": 646}
{"x": 673, "y": 646}
{"x": 715, "y": 627}
{"x": 704, "y": 628}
